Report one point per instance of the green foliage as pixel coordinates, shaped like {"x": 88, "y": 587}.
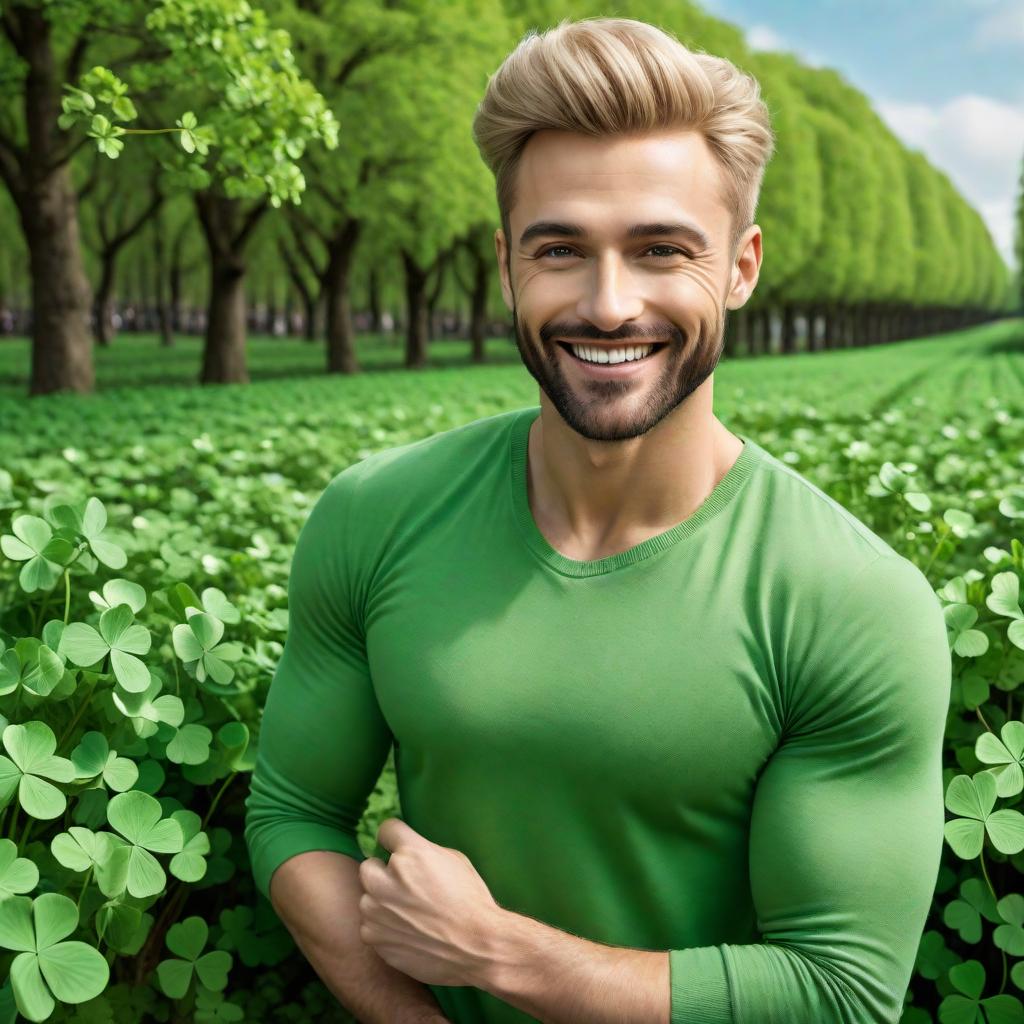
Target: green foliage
{"x": 259, "y": 113}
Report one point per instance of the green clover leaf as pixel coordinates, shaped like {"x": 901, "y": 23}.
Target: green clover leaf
{"x": 46, "y": 969}
{"x": 117, "y": 592}
{"x": 190, "y": 864}
{"x": 91, "y": 520}
{"x": 215, "y": 602}
{"x": 32, "y": 761}
{"x": 1004, "y": 600}
{"x": 33, "y": 543}
{"x": 1010, "y": 936}
{"x": 964, "y": 915}
{"x": 934, "y": 957}
{"x": 146, "y": 711}
{"x": 17, "y": 874}
{"x": 213, "y": 1008}
{"x": 10, "y": 671}
{"x": 137, "y": 817}
{"x": 197, "y": 644}
{"x": 123, "y": 928}
{"x": 187, "y": 938}
{"x": 973, "y": 798}
{"x": 967, "y": 642}
{"x": 80, "y": 848}
{"x": 969, "y": 978}
{"x": 1007, "y": 753}
{"x": 190, "y": 745}
{"x": 119, "y": 636}
{"x": 93, "y": 757}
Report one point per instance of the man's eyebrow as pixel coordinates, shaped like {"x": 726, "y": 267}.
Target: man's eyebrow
{"x": 550, "y": 228}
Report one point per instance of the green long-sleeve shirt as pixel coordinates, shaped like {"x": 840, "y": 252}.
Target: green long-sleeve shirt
{"x": 725, "y": 742}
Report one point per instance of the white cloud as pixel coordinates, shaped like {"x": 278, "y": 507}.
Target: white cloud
{"x": 979, "y": 142}
{"x": 1002, "y": 25}
{"x": 764, "y": 37}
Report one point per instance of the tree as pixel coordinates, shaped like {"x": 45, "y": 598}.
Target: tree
{"x": 257, "y": 117}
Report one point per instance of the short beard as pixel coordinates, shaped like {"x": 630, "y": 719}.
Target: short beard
{"x": 686, "y": 367}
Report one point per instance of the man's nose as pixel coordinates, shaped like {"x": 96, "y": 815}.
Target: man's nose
{"x": 612, "y": 294}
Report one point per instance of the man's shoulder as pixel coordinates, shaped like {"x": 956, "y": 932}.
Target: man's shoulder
{"x": 822, "y": 561}
{"x": 821, "y": 525}
{"x": 428, "y": 466}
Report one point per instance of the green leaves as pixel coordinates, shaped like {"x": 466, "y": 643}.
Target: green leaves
{"x": 47, "y": 969}
{"x": 31, "y": 764}
{"x": 1004, "y": 600}
{"x": 34, "y": 544}
{"x": 93, "y": 758}
{"x": 137, "y": 817}
{"x": 896, "y": 481}
{"x": 187, "y": 939}
{"x": 1007, "y": 753}
{"x": 969, "y": 978}
{"x": 974, "y": 798}
{"x": 197, "y": 643}
{"x": 17, "y": 874}
{"x": 48, "y": 547}
{"x": 119, "y": 637}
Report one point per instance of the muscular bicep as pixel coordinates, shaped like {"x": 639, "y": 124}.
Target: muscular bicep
{"x": 846, "y": 825}
{"x": 322, "y": 740}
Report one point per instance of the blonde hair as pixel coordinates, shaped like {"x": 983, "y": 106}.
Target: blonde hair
{"x": 607, "y": 76}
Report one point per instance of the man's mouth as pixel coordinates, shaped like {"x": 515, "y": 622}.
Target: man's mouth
{"x": 590, "y": 350}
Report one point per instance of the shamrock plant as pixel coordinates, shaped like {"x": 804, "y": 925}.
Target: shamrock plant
{"x": 116, "y": 713}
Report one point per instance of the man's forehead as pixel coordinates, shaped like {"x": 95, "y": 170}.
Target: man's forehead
{"x": 611, "y": 184}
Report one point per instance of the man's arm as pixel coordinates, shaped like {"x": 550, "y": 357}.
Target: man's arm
{"x": 322, "y": 744}
{"x": 316, "y": 894}
{"x": 845, "y": 843}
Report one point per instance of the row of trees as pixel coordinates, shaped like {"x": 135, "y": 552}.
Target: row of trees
{"x": 317, "y": 150}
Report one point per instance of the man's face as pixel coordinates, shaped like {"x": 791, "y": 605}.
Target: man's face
{"x": 667, "y": 287}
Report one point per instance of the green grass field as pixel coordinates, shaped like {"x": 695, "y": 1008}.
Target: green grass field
{"x": 207, "y": 487}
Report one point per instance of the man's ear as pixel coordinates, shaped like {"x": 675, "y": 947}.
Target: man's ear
{"x": 501, "y": 251}
{"x": 745, "y": 269}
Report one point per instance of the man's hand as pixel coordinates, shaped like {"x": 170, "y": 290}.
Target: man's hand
{"x": 427, "y": 912}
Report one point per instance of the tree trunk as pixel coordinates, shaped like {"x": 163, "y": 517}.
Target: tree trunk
{"x": 61, "y": 299}
{"x": 376, "y": 313}
{"x": 224, "y": 349}
{"x": 39, "y": 179}
{"x": 788, "y": 329}
{"x": 478, "y": 307}
{"x": 416, "y": 333}
{"x": 160, "y": 282}
{"x": 103, "y": 327}
{"x": 341, "y": 340}
{"x": 224, "y": 346}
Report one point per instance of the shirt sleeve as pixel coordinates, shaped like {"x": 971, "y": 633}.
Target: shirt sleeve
{"x": 323, "y": 740}
{"x": 847, "y": 822}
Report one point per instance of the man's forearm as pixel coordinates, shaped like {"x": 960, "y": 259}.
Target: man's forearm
{"x": 560, "y": 978}
{"x": 316, "y": 895}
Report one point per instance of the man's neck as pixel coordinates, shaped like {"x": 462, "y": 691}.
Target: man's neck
{"x": 593, "y": 499}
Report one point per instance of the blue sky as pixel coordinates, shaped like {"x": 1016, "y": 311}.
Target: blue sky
{"x": 946, "y": 75}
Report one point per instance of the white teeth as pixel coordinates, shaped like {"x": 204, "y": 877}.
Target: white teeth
{"x": 592, "y": 354}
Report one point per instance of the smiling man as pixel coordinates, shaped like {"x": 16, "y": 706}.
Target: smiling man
{"x": 667, "y": 719}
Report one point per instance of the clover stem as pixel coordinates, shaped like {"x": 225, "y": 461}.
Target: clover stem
{"x": 82, "y": 706}
{"x": 938, "y": 547}
{"x": 213, "y": 805}
{"x": 14, "y": 821}
{"x": 85, "y": 885}
{"x": 984, "y": 871}
{"x": 24, "y": 835}
{"x": 977, "y": 711}
{"x": 67, "y": 594}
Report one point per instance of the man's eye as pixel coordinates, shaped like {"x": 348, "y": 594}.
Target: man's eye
{"x": 668, "y": 250}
